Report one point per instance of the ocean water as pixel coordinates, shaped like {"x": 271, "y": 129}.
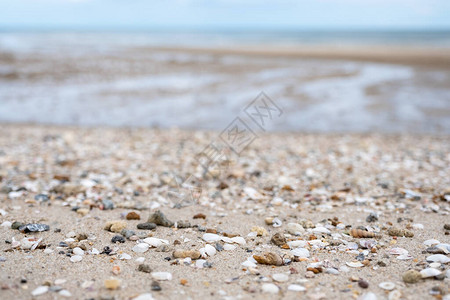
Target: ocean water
{"x": 128, "y": 79}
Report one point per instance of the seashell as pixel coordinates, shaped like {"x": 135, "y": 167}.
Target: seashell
{"x": 431, "y": 242}
{"x": 321, "y": 229}
{"x": 228, "y": 247}
{"x": 404, "y": 257}
{"x": 193, "y": 254}
{"x": 161, "y": 275}
{"x": 277, "y": 222}
{"x": 296, "y": 288}
{"x": 438, "y": 258}
{"x": 248, "y": 264}
{"x": 155, "y": 242}
{"x": 296, "y": 244}
{"x": 400, "y": 232}
{"x": 358, "y": 233}
{"x": 238, "y": 240}
{"x": 398, "y": 251}
{"x": 141, "y": 247}
{"x": 354, "y": 264}
{"x": 269, "y": 258}
{"x": 368, "y": 244}
{"x": 444, "y": 247}
{"x": 270, "y": 288}
{"x": 280, "y": 277}
{"x": 429, "y": 272}
{"x": 368, "y": 296}
{"x": 211, "y": 237}
{"x": 300, "y": 252}
{"x": 295, "y": 228}
{"x": 388, "y": 286}
{"x": 210, "y": 250}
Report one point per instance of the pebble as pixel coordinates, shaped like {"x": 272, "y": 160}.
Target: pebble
{"x": 400, "y": 232}
{"x": 118, "y": 239}
{"x": 33, "y": 228}
{"x": 300, "y": 252}
{"x": 161, "y": 276}
{"x": 107, "y": 204}
{"x": 144, "y": 268}
{"x": 124, "y": 256}
{"x": 295, "y": 228}
{"x": 65, "y": 293}
{"x": 155, "y": 286}
{"x": 278, "y": 239}
{"x": 112, "y": 284}
{"x": 141, "y": 247}
{"x": 388, "y": 286}
{"x": 238, "y": 240}
{"x": 193, "y": 254}
{"x": 78, "y": 251}
{"x": 411, "y": 276}
{"x": 146, "y": 226}
{"x": 372, "y": 217}
{"x": 363, "y": 284}
{"x": 228, "y": 247}
{"x": 210, "y": 250}
{"x": 16, "y": 225}
{"x": 260, "y": 231}
{"x": 40, "y": 290}
{"x": 115, "y": 226}
{"x": 280, "y": 277}
{"x": 183, "y": 224}
{"x": 199, "y": 216}
{"x": 76, "y": 258}
{"x": 6, "y": 224}
{"x": 159, "y": 219}
{"x": 211, "y": 237}
{"x": 270, "y": 288}
{"x": 269, "y": 258}
{"x": 132, "y": 216}
{"x": 296, "y": 288}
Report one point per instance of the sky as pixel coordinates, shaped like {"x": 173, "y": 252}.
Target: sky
{"x": 226, "y": 14}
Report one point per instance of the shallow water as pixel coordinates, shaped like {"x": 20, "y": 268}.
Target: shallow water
{"x": 85, "y": 81}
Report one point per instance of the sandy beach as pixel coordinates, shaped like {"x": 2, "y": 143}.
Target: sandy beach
{"x": 312, "y": 189}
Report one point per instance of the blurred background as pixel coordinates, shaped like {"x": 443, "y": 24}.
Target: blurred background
{"x": 333, "y": 66}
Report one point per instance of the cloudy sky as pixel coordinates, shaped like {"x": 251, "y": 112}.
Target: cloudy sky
{"x": 211, "y": 14}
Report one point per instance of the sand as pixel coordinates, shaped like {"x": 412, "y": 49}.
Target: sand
{"x": 317, "y": 177}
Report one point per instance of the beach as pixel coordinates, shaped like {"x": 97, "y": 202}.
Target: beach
{"x": 75, "y": 180}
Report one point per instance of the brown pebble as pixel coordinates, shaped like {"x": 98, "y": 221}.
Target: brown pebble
{"x": 200, "y": 216}
{"x": 411, "y": 276}
{"x": 133, "y": 216}
{"x": 183, "y": 281}
{"x": 144, "y": 268}
{"x": 112, "y": 284}
{"x": 447, "y": 226}
{"x": 278, "y": 239}
{"x": 269, "y": 258}
{"x": 400, "y": 232}
{"x": 211, "y": 230}
{"x": 363, "y": 284}
{"x": 193, "y": 254}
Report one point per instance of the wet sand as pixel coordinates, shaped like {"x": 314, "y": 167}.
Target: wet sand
{"x": 333, "y": 180}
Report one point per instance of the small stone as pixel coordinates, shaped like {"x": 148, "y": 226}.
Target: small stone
{"x": 269, "y": 258}
{"x": 124, "y": 256}
{"x": 447, "y": 226}
{"x": 278, "y": 239}
{"x": 280, "y": 277}
{"x": 260, "y": 231}
{"x": 193, "y": 254}
{"x": 118, "y": 239}
{"x": 183, "y": 224}
{"x": 219, "y": 247}
{"x": 296, "y": 288}
{"x": 76, "y": 258}
{"x": 200, "y": 216}
{"x": 295, "y": 228}
{"x": 65, "y": 293}
{"x": 41, "y": 197}
{"x": 309, "y": 274}
{"x": 144, "y": 268}
{"x": 372, "y": 217}
{"x": 107, "y": 204}
{"x": 127, "y": 233}
{"x": 34, "y": 228}
{"x": 146, "y": 226}
{"x": 162, "y": 276}
{"x": 411, "y": 276}
{"x": 155, "y": 286}
{"x": 78, "y": 251}
{"x": 159, "y": 219}
{"x": 210, "y": 250}
{"x": 363, "y": 284}
{"x": 400, "y": 232}
{"x": 16, "y": 225}
{"x": 141, "y": 247}
{"x": 112, "y": 284}
{"x": 270, "y": 288}
{"x": 115, "y": 226}
{"x": 40, "y": 290}
{"x": 82, "y": 236}
{"x": 211, "y": 237}
{"x": 300, "y": 252}
{"x": 133, "y": 216}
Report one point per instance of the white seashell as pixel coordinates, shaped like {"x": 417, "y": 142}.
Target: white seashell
{"x": 226, "y": 239}
{"x": 95, "y": 251}
{"x": 65, "y": 293}
{"x": 447, "y": 274}
{"x": 252, "y": 193}
{"x": 296, "y": 288}
{"x": 321, "y": 229}
{"x": 140, "y": 260}
{"x": 40, "y": 290}
{"x": 388, "y": 286}
{"x": 431, "y": 242}
{"x": 270, "y": 288}
{"x": 404, "y": 257}
{"x": 155, "y": 242}
{"x": 418, "y": 226}
{"x": 435, "y": 265}
{"x": 444, "y": 247}
{"x": 6, "y": 224}
{"x": 199, "y": 263}
{"x": 429, "y": 272}
{"x": 27, "y": 243}
{"x": 211, "y": 237}
{"x": 210, "y": 250}
{"x": 354, "y": 264}
{"x": 141, "y": 247}
{"x": 78, "y": 251}
{"x": 441, "y": 258}
{"x": 76, "y": 258}
{"x": 295, "y": 228}
{"x": 395, "y": 295}
{"x": 332, "y": 271}
{"x": 368, "y": 244}
{"x": 162, "y": 276}
{"x": 344, "y": 269}
{"x": 124, "y": 256}
{"x": 238, "y": 240}
{"x": 48, "y": 251}
{"x": 229, "y": 247}
{"x": 368, "y": 296}
{"x": 296, "y": 244}
{"x": 280, "y": 277}
{"x": 277, "y": 222}
{"x": 398, "y": 251}
{"x": 300, "y": 252}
